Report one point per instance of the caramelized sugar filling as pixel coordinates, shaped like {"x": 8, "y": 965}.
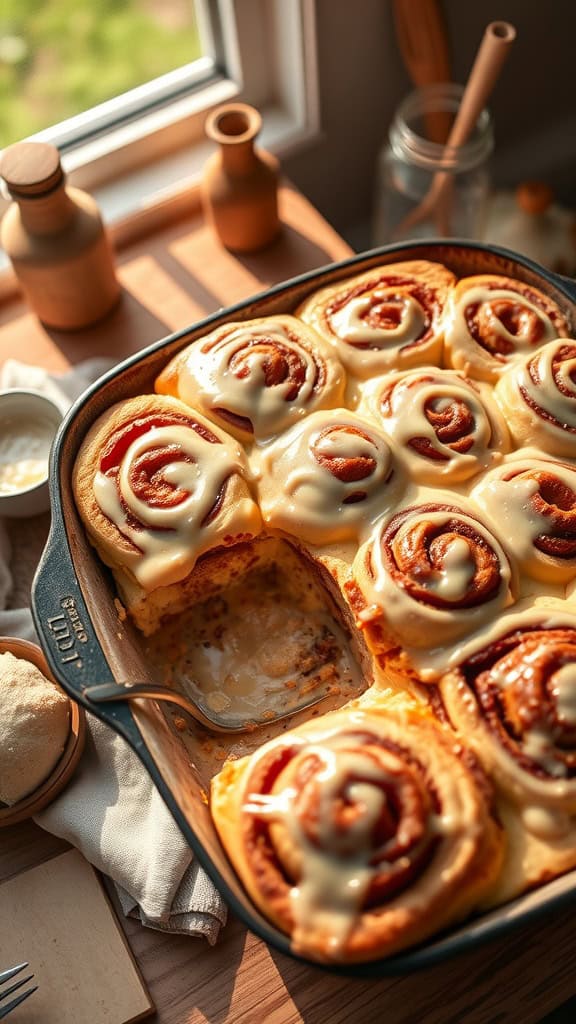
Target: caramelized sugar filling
{"x": 262, "y": 644}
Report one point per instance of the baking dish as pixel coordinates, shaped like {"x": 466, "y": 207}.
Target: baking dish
{"x": 85, "y": 642}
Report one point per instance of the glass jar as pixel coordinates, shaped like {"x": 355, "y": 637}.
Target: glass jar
{"x": 410, "y": 159}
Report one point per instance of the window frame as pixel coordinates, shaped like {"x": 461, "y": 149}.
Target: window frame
{"x": 263, "y": 53}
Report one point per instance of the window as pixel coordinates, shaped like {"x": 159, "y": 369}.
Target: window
{"x": 59, "y": 58}
{"x": 148, "y": 141}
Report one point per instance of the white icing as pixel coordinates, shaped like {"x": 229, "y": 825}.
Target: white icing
{"x": 538, "y": 745}
{"x": 422, "y": 627}
{"x": 550, "y": 800}
{"x": 457, "y": 571}
{"x": 349, "y": 325}
{"x": 555, "y": 397}
{"x": 414, "y": 393}
{"x": 337, "y": 872}
{"x": 546, "y": 823}
{"x": 386, "y": 324}
{"x": 24, "y": 450}
{"x": 564, "y": 693}
{"x": 171, "y": 537}
{"x": 506, "y": 495}
{"x": 301, "y": 495}
{"x": 207, "y": 378}
{"x": 520, "y": 342}
{"x": 333, "y": 872}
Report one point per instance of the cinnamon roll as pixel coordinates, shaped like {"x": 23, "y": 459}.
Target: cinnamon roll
{"x": 328, "y": 478}
{"x": 157, "y": 486}
{"x": 513, "y": 698}
{"x": 387, "y": 318}
{"x": 491, "y": 321}
{"x": 445, "y": 427}
{"x": 427, "y": 577}
{"x": 532, "y": 501}
{"x": 538, "y": 398}
{"x": 359, "y": 834}
{"x": 256, "y": 378}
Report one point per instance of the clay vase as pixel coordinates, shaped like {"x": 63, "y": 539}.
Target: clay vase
{"x": 239, "y": 185}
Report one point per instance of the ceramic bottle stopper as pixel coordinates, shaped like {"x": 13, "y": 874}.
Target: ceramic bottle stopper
{"x": 239, "y": 184}
{"x": 56, "y": 241}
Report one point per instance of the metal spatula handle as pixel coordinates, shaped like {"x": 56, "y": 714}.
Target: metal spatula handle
{"x": 104, "y": 693}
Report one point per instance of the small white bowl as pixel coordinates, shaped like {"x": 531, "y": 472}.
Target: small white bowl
{"x": 28, "y": 424}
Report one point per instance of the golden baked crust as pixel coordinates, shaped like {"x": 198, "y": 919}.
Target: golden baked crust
{"x": 328, "y": 478}
{"x": 491, "y": 321}
{"x": 446, "y": 427}
{"x": 257, "y": 377}
{"x": 531, "y": 499}
{"x": 387, "y": 318}
{"x": 361, "y": 833}
{"x": 538, "y": 397}
{"x": 432, "y": 540}
{"x": 512, "y": 698}
{"x": 428, "y": 576}
{"x": 157, "y": 486}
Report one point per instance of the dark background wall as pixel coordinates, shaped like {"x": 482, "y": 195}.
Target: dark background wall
{"x": 363, "y": 78}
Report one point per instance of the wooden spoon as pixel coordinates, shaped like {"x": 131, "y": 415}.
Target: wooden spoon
{"x": 494, "y": 48}
{"x": 423, "y": 43}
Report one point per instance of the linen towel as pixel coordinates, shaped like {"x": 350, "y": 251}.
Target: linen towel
{"x": 110, "y": 810}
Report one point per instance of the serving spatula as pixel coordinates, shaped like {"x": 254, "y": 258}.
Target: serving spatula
{"x": 105, "y": 693}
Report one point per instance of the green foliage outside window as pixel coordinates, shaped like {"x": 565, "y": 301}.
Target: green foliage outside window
{"x": 60, "y": 57}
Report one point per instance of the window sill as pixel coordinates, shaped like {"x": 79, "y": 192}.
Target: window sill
{"x": 145, "y": 173}
{"x": 159, "y": 193}
{"x": 173, "y": 277}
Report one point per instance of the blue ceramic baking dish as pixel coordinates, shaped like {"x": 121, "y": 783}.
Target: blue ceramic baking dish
{"x": 85, "y": 643}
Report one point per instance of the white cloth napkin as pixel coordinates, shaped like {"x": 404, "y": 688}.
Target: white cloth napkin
{"x": 110, "y": 810}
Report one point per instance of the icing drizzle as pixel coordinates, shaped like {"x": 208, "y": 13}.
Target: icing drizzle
{"x": 442, "y": 424}
{"x": 534, "y": 503}
{"x": 435, "y": 573}
{"x": 522, "y": 719}
{"x": 350, "y": 817}
{"x": 504, "y": 322}
{"x": 162, "y": 482}
{"x": 258, "y": 379}
{"x": 547, "y": 384}
{"x": 329, "y": 478}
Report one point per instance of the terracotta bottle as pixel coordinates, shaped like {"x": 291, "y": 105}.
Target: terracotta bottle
{"x": 56, "y": 241}
{"x": 240, "y": 181}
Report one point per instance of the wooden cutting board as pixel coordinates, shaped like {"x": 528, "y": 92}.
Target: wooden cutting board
{"x": 58, "y": 917}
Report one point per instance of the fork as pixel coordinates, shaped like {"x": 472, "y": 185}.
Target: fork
{"x": 4, "y": 993}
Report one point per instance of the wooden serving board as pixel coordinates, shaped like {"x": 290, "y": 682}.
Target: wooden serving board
{"x": 58, "y": 917}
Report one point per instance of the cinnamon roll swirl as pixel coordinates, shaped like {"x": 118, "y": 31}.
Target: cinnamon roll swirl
{"x": 444, "y": 426}
{"x": 359, "y": 834}
{"x": 256, "y": 378}
{"x": 387, "y": 318}
{"x": 491, "y": 321}
{"x": 427, "y": 577}
{"x": 513, "y": 697}
{"x": 538, "y": 398}
{"x": 532, "y": 501}
{"x": 329, "y": 478}
{"x": 157, "y": 486}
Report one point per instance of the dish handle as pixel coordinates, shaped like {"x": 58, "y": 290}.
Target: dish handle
{"x": 67, "y": 636}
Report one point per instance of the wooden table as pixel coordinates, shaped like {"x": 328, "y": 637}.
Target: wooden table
{"x": 170, "y": 280}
